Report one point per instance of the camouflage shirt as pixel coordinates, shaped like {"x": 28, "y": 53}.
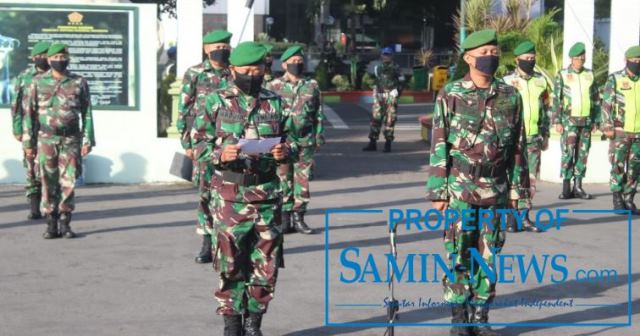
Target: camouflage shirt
{"x": 304, "y": 103}
{"x": 20, "y": 88}
{"x": 55, "y": 105}
{"x": 564, "y": 97}
{"x": 480, "y": 128}
{"x": 621, "y": 92}
{"x": 536, "y": 103}
{"x": 198, "y": 82}
{"x": 231, "y": 115}
{"x": 387, "y": 76}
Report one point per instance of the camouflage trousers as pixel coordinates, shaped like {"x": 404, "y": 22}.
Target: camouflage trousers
{"x": 471, "y": 287}
{"x": 534, "y": 149}
{"x": 203, "y": 172}
{"x": 575, "y": 143}
{"x": 385, "y": 107}
{"x": 247, "y": 253}
{"x": 32, "y": 170}
{"x": 624, "y": 155}
{"x": 60, "y": 164}
{"x": 294, "y": 178}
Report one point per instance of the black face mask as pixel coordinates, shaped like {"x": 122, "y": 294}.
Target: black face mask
{"x": 487, "y": 64}
{"x": 60, "y": 66}
{"x": 220, "y": 56}
{"x": 42, "y": 64}
{"x": 267, "y": 65}
{"x": 249, "y": 84}
{"x": 527, "y": 66}
{"x": 633, "y": 67}
{"x": 295, "y": 69}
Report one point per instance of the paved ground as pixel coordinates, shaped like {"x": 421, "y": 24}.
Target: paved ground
{"x": 131, "y": 271}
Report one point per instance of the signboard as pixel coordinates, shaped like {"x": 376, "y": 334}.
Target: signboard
{"x": 101, "y": 40}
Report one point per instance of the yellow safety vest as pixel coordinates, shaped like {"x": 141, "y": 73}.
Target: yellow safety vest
{"x": 579, "y": 97}
{"x": 630, "y": 92}
{"x": 531, "y": 91}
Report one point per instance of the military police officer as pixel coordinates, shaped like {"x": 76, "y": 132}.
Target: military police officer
{"x": 247, "y": 208}
{"x": 534, "y": 91}
{"x": 621, "y": 123}
{"x": 575, "y": 115}
{"x": 197, "y": 83}
{"x": 59, "y": 122}
{"x": 21, "y": 86}
{"x": 477, "y": 161}
{"x": 388, "y": 85}
{"x": 304, "y": 107}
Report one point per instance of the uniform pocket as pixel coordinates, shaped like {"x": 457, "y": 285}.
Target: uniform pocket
{"x": 463, "y": 131}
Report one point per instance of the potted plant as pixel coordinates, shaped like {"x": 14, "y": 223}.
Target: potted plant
{"x": 420, "y": 69}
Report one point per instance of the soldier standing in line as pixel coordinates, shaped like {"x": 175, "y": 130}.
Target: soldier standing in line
{"x": 305, "y": 110}
{"x": 534, "y": 91}
{"x": 575, "y": 114}
{"x": 197, "y": 83}
{"x": 388, "y": 85}
{"x": 58, "y": 120}
{"x": 621, "y": 124}
{"x": 21, "y": 86}
{"x": 268, "y": 62}
{"x": 478, "y": 161}
{"x": 247, "y": 208}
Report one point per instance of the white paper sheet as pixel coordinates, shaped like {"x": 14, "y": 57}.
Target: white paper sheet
{"x": 258, "y": 146}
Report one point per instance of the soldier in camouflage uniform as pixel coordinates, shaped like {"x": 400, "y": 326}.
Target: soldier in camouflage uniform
{"x": 247, "y": 209}
{"x": 58, "y": 120}
{"x": 621, "y": 124}
{"x": 268, "y": 62}
{"x": 305, "y": 110}
{"x": 576, "y": 115}
{"x": 385, "y": 101}
{"x": 197, "y": 83}
{"x": 20, "y": 87}
{"x": 478, "y": 161}
{"x": 534, "y": 90}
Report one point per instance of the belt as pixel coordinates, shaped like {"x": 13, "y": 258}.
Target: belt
{"x": 478, "y": 170}
{"x": 63, "y": 132}
{"x": 246, "y": 179}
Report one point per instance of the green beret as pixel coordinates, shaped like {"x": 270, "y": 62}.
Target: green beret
{"x": 247, "y": 53}
{"x": 217, "y": 36}
{"x": 526, "y": 47}
{"x": 39, "y": 48}
{"x": 290, "y": 52}
{"x": 57, "y": 48}
{"x": 480, "y": 38}
{"x": 267, "y": 46}
{"x": 632, "y": 52}
{"x": 577, "y": 49}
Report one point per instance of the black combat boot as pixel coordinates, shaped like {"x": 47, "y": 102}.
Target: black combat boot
{"x": 34, "y": 202}
{"x": 512, "y": 224}
{"x": 232, "y": 325}
{"x": 252, "y": 325}
{"x": 628, "y": 203}
{"x": 578, "y": 191}
{"x": 286, "y": 225}
{"x": 527, "y": 225}
{"x": 371, "y": 147}
{"x": 65, "y": 228}
{"x": 566, "y": 190}
{"x": 459, "y": 314}
{"x": 480, "y": 314}
{"x": 618, "y": 203}
{"x": 387, "y": 146}
{"x": 52, "y": 226}
{"x": 298, "y": 223}
{"x": 205, "y": 257}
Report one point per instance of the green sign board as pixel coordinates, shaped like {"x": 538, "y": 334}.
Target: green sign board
{"x": 102, "y": 44}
